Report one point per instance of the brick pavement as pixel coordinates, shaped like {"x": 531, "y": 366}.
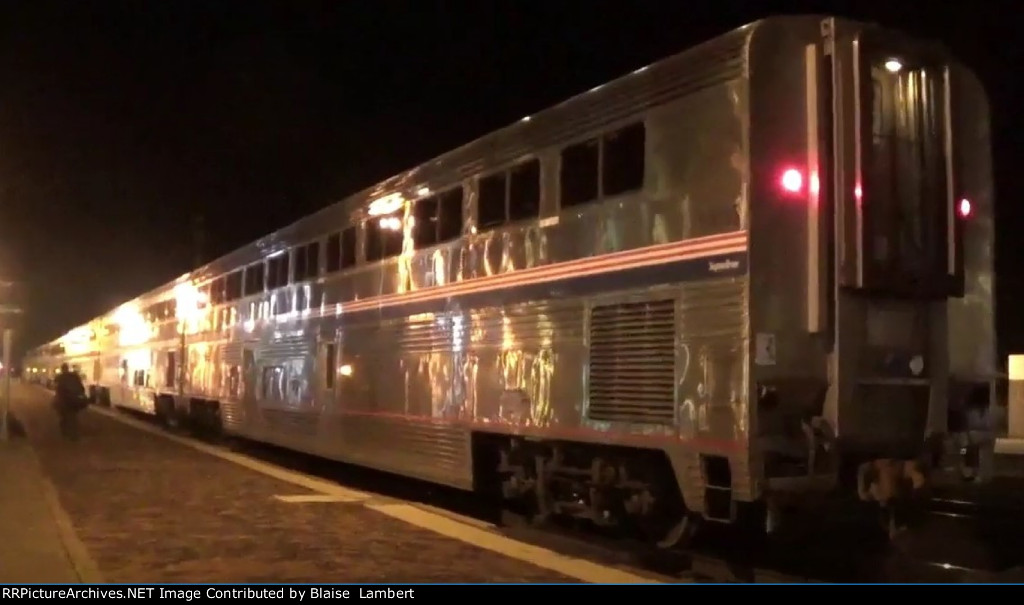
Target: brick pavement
{"x": 151, "y": 510}
{"x": 37, "y": 543}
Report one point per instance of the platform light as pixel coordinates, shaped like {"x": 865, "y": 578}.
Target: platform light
{"x": 893, "y": 66}
{"x": 792, "y": 180}
{"x": 964, "y": 208}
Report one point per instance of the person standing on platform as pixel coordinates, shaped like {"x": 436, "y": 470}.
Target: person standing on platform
{"x": 69, "y": 399}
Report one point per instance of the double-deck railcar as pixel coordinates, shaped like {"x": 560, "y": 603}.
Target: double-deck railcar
{"x": 715, "y": 280}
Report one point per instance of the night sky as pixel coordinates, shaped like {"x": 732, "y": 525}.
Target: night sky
{"x": 120, "y": 121}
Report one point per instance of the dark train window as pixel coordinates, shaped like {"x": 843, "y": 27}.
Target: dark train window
{"x": 524, "y": 191}
{"x": 300, "y": 268}
{"x": 333, "y": 253}
{"x": 217, "y": 291}
{"x": 277, "y": 271}
{"x": 579, "y": 174}
{"x": 383, "y": 237}
{"x": 313, "y": 260}
{"x": 424, "y": 229}
{"x": 491, "y": 201}
{"x": 254, "y": 277}
{"x": 449, "y": 225}
{"x": 330, "y": 363}
{"x": 373, "y": 240}
{"x": 171, "y": 371}
{"x": 233, "y": 286}
{"x": 622, "y": 167}
{"x": 348, "y": 248}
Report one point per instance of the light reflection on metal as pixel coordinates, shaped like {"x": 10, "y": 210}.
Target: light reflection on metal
{"x": 78, "y": 341}
{"x": 407, "y": 224}
{"x": 386, "y": 205}
{"x": 191, "y": 305}
{"x": 133, "y": 329}
{"x": 390, "y": 223}
{"x": 139, "y": 359}
{"x": 307, "y": 295}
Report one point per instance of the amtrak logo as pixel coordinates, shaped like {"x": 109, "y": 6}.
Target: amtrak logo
{"x": 723, "y": 265}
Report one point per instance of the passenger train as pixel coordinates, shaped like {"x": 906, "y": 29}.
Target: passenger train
{"x": 685, "y": 294}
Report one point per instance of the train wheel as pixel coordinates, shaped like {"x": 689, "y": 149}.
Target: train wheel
{"x": 681, "y": 533}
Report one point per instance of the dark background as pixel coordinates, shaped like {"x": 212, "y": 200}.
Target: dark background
{"x": 120, "y": 121}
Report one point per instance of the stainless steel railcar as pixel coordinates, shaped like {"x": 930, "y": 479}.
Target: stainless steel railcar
{"x": 709, "y": 282}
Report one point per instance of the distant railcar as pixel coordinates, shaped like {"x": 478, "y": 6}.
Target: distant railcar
{"x": 713, "y": 281}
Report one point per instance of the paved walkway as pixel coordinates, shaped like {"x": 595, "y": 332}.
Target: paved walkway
{"x": 150, "y": 509}
{"x": 37, "y": 541}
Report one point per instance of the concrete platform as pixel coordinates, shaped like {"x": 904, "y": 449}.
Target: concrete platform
{"x": 154, "y": 507}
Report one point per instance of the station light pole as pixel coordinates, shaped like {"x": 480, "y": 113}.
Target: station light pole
{"x": 8, "y": 308}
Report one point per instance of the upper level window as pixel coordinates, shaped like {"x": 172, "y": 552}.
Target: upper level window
{"x": 277, "y": 271}
{"x": 217, "y": 291}
{"x": 233, "y": 286}
{"x": 508, "y": 196}
{"x": 384, "y": 235}
{"x": 255, "y": 275}
{"x": 340, "y": 251}
{"x": 612, "y": 164}
{"x": 307, "y": 262}
{"x": 437, "y": 218}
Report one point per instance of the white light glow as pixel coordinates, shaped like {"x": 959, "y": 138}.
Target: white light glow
{"x": 190, "y": 305}
{"x": 893, "y": 66}
{"x": 386, "y": 205}
{"x": 391, "y": 223}
{"x": 133, "y": 329}
{"x": 792, "y": 180}
{"x": 1016, "y": 367}
{"x": 965, "y": 207}
{"x": 77, "y": 341}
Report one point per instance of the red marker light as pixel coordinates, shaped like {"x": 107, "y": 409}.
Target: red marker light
{"x": 792, "y": 180}
{"x": 964, "y": 208}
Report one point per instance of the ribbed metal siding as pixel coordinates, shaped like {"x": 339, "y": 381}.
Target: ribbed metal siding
{"x": 632, "y": 362}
